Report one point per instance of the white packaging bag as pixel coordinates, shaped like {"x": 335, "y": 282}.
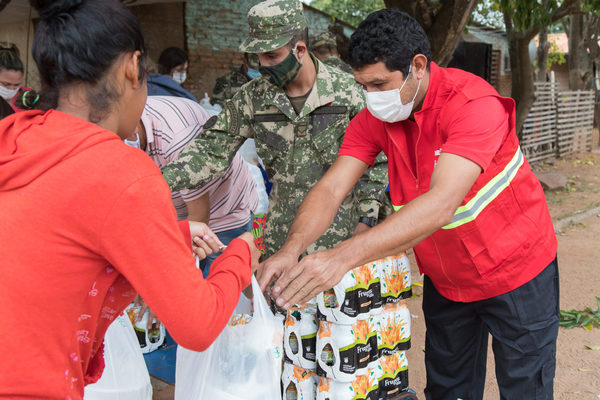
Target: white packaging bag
{"x": 125, "y": 375}
{"x": 244, "y": 362}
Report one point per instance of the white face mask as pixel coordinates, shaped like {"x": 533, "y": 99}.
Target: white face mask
{"x": 133, "y": 143}
{"x": 7, "y": 94}
{"x": 387, "y": 105}
{"x": 179, "y": 77}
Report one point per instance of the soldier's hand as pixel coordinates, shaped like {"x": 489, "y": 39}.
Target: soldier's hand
{"x": 273, "y": 267}
{"x": 315, "y": 273}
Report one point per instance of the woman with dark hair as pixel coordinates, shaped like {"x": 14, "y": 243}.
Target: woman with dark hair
{"x": 174, "y": 62}
{"x": 11, "y": 79}
{"x": 172, "y": 67}
{"x": 5, "y": 109}
{"x": 87, "y": 221}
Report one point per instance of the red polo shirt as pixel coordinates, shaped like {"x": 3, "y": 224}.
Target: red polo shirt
{"x": 502, "y": 235}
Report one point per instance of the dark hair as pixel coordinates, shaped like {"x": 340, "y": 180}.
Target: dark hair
{"x": 79, "y": 41}
{"x": 9, "y": 59}
{"x": 27, "y": 99}
{"x": 5, "y": 109}
{"x": 170, "y": 58}
{"x": 390, "y": 36}
{"x": 299, "y": 35}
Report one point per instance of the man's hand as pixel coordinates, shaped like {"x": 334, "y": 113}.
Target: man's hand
{"x": 314, "y": 274}
{"x": 205, "y": 241}
{"x": 255, "y": 253}
{"x": 274, "y": 267}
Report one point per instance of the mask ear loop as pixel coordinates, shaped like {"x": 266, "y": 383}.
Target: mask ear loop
{"x": 294, "y": 53}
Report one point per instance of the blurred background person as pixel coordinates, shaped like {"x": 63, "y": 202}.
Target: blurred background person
{"x": 172, "y": 67}
{"x": 11, "y": 77}
{"x": 324, "y": 47}
{"x": 230, "y": 83}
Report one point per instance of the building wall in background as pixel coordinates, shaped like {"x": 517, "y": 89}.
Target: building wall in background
{"x": 214, "y": 31}
{"x": 163, "y": 26}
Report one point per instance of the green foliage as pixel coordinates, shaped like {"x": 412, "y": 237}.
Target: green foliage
{"x": 350, "y": 11}
{"x": 555, "y": 56}
{"x": 527, "y": 14}
{"x": 591, "y": 6}
{"x": 487, "y": 12}
{"x": 586, "y": 319}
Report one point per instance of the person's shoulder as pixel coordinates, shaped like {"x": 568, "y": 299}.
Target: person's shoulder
{"x": 256, "y": 89}
{"x": 171, "y": 101}
{"x": 124, "y": 157}
{"x": 365, "y": 119}
{"x": 337, "y": 74}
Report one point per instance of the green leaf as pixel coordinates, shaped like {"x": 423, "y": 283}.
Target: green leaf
{"x": 591, "y": 347}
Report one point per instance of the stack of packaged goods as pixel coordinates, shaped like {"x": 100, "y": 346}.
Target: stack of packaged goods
{"x": 354, "y": 346}
{"x": 299, "y": 343}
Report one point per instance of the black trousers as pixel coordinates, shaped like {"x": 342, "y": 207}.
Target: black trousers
{"x": 524, "y": 326}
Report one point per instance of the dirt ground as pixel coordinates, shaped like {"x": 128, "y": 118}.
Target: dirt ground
{"x": 578, "y": 368}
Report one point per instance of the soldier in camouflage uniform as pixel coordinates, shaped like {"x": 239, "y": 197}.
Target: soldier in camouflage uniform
{"x": 229, "y": 84}
{"x": 324, "y": 47}
{"x": 297, "y": 142}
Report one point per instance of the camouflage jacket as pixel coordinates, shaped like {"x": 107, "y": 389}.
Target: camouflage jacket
{"x": 228, "y": 85}
{"x": 338, "y": 63}
{"x": 297, "y": 150}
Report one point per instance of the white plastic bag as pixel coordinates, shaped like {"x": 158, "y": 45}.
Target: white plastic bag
{"x": 147, "y": 344}
{"x": 211, "y": 109}
{"x": 244, "y": 363}
{"x": 125, "y": 375}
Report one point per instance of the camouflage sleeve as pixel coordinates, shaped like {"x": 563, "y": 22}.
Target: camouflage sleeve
{"x": 218, "y": 96}
{"x": 372, "y": 185}
{"x": 208, "y": 156}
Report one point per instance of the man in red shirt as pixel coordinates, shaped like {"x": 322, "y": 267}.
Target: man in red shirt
{"x": 466, "y": 201}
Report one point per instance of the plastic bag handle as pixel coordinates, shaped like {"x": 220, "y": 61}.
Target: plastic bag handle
{"x": 261, "y": 308}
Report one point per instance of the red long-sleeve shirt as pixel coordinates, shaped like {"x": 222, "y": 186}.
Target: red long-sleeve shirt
{"x": 87, "y": 221}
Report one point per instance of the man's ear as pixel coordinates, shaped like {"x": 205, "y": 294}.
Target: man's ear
{"x": 301, "y": 48}
{"x": 419, "y": 66}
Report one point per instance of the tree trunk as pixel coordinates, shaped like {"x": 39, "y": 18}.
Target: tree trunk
{"x": 521, "y": 68}
{"x": 444, "y": 23}
{"x": 577, "y": 52}
{"x": 542, "y": 54}
{"x": 523, "y": 90}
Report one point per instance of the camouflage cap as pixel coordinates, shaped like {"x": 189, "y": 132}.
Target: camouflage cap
{"x": 273, "y": 24}
{"x": 323, "y": 39}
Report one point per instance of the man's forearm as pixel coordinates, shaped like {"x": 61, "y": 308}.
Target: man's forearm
{"x": 399, "y": 232}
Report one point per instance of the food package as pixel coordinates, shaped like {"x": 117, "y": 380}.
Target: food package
{"x": 393, "y": 328}
{"x": 396, "y": 283}
{"x": 300, "y": 338}
{"x": 392, "y": 375}
{"x": 361, "y": 387}
{"x": 355, "y": 297}
{"x": 298, "y": 383}
{"x": 346, "y": 351}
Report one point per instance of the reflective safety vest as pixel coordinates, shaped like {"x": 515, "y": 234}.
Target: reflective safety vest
{"x": 501, "y": 235}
